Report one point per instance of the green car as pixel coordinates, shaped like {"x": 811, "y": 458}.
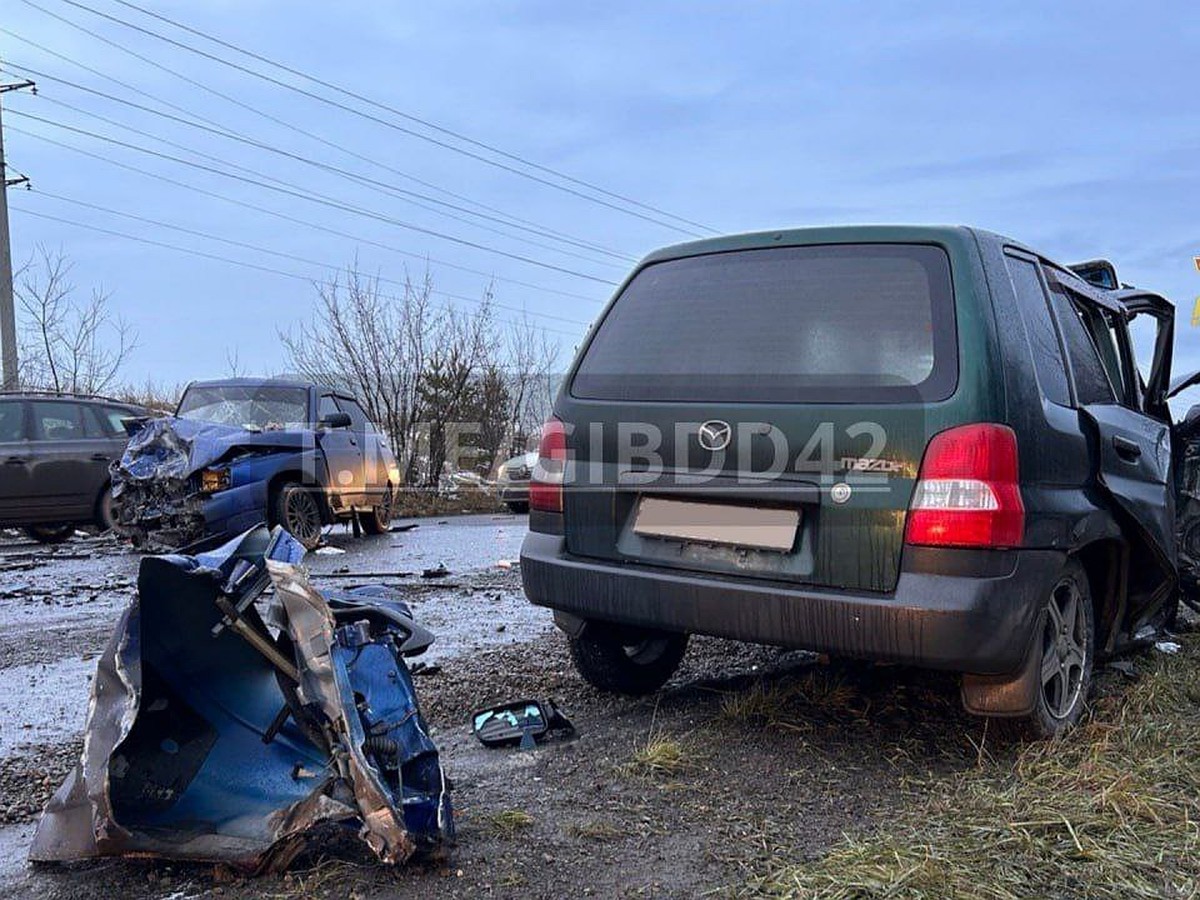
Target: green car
{"x": 924, "y": 445}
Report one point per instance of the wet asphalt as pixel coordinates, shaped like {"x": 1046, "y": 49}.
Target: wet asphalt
{"x": 59, "y": 605}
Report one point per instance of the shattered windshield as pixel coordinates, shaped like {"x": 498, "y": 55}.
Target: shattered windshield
{"x": 255, "y": 407}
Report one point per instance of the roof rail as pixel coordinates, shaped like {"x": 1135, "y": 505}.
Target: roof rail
{"x": 69, "y": 395}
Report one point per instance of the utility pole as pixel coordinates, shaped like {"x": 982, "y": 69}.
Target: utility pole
{"x": 8, "y": 314}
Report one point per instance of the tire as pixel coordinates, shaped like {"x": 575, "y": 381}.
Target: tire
{"x": 297, "y": 510}
{"x": 106, "y": 518}
{"x": 49, "y": 534}
{"x": 520, "y": 507}
{"x": 626, "y": 662}
{"x": 1066, "y": 647}
{"x": 379, "y": 519}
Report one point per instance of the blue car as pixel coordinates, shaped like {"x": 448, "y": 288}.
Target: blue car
{"x": 239, "y": 452}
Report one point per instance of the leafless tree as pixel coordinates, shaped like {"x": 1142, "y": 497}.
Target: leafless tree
{"x": 441, "y": 382}
{"x": 373, "y": 345}
{"x": 67, "y": 344}
{"x": 158, "y": 396}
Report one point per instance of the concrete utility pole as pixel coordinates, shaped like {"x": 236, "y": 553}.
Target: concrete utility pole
{"x": 8, "y": 315}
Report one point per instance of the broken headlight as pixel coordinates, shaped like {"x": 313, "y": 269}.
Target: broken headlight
{"x": 213, "y": 480}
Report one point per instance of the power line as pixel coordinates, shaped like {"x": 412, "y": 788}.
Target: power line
{"x": 298, "y": 221}
{"x": 219, "y": 258}
{"x": 232, "y": 134}
{"x": 282, "y": 255}
{"x": 313, "y": 197}
{"x": 387, "y": 124}
{"x": 409, "y": 116}
{"x": 154, "y": 137}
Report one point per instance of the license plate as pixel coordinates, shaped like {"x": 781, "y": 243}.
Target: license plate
{"x": 717, "y": 523}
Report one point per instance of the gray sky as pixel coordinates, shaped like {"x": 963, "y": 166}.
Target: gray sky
{"x": 1073, "y": 127}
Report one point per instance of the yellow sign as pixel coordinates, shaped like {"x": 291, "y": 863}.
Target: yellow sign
{"x": 1196, "y": 313}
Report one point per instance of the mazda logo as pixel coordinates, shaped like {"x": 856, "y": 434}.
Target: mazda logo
{"x": 714, "y": 435}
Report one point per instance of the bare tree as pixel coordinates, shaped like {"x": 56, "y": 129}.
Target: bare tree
{"x": 68, "y": 344}
{"x": 373, "y": 346}
{"x": 531, "y": 360}
{"x": 464, "y": 345}
{"x": 441, "y": 382}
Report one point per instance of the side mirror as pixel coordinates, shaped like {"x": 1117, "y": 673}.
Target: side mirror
{"x": 336, "y": 420}
{"x": 520, "y": 724}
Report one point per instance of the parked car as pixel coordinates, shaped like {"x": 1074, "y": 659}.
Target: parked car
{"x": 242, "y": 451}
{"x": 924, "y": 445}
{"x": 512, "y": 482}
{"x": 56, "y": 449}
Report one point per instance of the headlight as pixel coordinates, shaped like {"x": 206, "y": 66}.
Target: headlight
{"x": 213, "y": 480}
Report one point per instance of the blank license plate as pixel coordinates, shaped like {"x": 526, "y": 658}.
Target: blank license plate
{"x": 716, "y": 523}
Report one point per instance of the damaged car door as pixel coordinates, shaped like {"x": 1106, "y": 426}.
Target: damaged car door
{"x": 1133, "y": 429}
{"x": 343, "y": 454}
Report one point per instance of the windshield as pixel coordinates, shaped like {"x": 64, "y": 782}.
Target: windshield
{"x": 255, "y": 407}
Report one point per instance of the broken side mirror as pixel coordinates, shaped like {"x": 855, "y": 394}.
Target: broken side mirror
{"x": 521, "y": 723}
{"x": 336, "y": 420}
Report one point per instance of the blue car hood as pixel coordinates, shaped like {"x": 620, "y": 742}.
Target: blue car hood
{"x": 175, "y": 448}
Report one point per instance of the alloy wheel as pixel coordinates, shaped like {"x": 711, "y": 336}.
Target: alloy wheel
{"x": 302, "y": 516}
{"x": 1064, "y": 649}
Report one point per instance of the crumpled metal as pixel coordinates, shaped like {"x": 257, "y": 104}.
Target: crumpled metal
{"x": 187, "y": 751}
{"x": 171, "y": 449}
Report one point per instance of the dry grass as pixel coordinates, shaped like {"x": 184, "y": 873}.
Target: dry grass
{"x": 660, "y": 756}
{"x": 596, "y": 830}
{"x": 507, "y": 822}
{"x": 1111, "y": 811}
{"x": 785, "y": 701}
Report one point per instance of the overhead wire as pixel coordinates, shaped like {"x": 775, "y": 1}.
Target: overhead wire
{"x": 193, "y": 120}
{"x": 213, "y": 256}
{"x": 378, "y": 120}
{"x": 321, "y": 199}
{"x": 244, "y": 245}
{"x": 44, "y": 97}
{"x": 137, "y": 170}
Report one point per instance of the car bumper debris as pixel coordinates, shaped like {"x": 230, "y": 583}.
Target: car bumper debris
{"x": 223, "y": 727}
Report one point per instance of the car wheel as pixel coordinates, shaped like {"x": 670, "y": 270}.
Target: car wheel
{"x": 297, "y": 510}
{"x": 379, "y": 520}
{"x": 49, "y": 534}
{"x": 520, "y": 507}
{"x": 1066, "y": 644}
{"x": 626, "y": 662}
{"x": 106, "y": 519}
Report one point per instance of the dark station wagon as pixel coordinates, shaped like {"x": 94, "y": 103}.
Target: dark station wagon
{"x": 925, "y": 445}
{"x": 55, "y": 451}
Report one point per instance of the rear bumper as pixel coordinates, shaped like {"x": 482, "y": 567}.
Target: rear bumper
{"x": 513, "y": 492}
{"x": 981, "y": 625}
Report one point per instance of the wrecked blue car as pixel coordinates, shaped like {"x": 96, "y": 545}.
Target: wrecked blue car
{"x": 231, "y": 724}
{"x": 239, "y": 452}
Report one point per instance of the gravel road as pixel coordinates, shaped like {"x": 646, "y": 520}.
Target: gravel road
{"x": 750, "y": 753}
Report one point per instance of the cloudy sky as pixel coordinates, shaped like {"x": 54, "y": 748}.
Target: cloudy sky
{"x": 1074, "y": 127}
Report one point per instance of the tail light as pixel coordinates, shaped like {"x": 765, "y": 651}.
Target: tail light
{"x": 546, "y": 484}
{"x": 968, "y": 493}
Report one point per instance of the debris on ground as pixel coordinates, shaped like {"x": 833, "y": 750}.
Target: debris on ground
{"x": 438, "y": 571}
{"x": 329, "y": 550}
{"x": 1167, "y": 647}
{"x": 409, "y": 526}
{"x": 520, "y": 724}
{"x": 222, "y": 732}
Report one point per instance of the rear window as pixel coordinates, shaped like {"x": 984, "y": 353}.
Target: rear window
{"x": 844, "y": 323}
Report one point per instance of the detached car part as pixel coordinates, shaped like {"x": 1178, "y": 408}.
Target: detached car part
{"x": 520, "y": 723}
{"x": 213, "y": 735}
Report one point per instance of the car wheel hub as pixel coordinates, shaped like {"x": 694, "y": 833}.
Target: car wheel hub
{"x": 1064, "y": 649}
